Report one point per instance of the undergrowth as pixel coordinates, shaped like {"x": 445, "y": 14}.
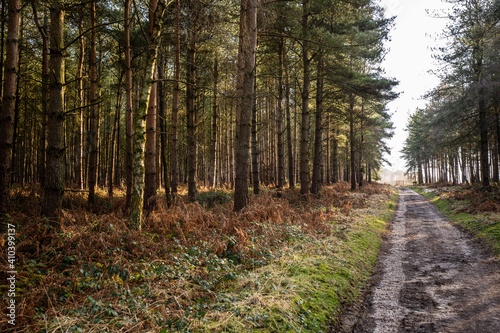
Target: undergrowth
{"x": 475, "y": 209}
{"x": 192, "y": 263}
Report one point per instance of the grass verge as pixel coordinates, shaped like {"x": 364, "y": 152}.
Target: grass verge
{"x": 305, "y": 289}
{"x": 470, "y": 208}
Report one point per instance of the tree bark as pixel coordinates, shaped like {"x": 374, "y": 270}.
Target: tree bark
{"x": 2, "y": 43}
{"x": 129, "y": 116}
{"x": 304, "y": 130}
{"x": 114, "y": 137}
{"x": 483, "y": 122}
{"x": 79, "y": 125}
{"x": 245, "y": 98}
{"x": 497, "y": 145}
{"x": 361, "y": 145}
{"x": 45, "y": 88}
{"x": 54, "y": 185}
{"x": 163, "y": 128}
{"x": 335, "y": 156}
{"x": 191, "y": 110}
{"x": 9, "y": 101}
{"x": 175, "y": 101}
{"x": 352, "y": 144}
{"x": 318, "y": 149}
{"x": 92, "y": 173}
{"x": 291, "y": 175}
{"x": 150, "y": 150}
{"x": 212, "y": 167}
{"x": 255, "y": 145}
{"x": 156, "y": 12}
{"x": 279, "y": 121}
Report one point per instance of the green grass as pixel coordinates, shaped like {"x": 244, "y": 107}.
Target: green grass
{"x": 306, "y": 289}
{"x": 485, "y": 226}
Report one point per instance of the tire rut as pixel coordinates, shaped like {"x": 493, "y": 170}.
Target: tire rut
{"x": 431, "y": 277}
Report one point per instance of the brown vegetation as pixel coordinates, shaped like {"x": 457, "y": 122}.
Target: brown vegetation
{"x": 96, "y": 269}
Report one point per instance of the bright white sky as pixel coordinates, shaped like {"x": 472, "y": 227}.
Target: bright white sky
{"x": 409, "y": 61}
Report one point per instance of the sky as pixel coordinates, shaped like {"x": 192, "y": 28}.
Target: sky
{"x": 409, "y": 61}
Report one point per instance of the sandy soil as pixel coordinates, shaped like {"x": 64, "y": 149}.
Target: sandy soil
{"x": 431, "y": 277}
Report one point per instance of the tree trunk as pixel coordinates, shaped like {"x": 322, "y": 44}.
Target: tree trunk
{"x": 163, "y": 130}
{"x": 212, "y": 167}
{"x": 45, "y": 88}
{"x": 175, "y": 100}
{"x": 318, "y": 149}
{"x": 279, "y": 122}
{"x": 54, "y": 184}
{"x": 79, "y": 125}
{"x": 496, "y": 176}
{"x": 150, "y": 150}
{"x": 245, "y": 98}
{"x": 2, "y": 40}
{"x": 92, "y": 175}
{"x": 255, "y": 145}
{"x": 9, "y": 101}
{"x": 156, "y": 12}
{"x": 291, "y": 175}
{"x": 335, "y": 157}
{"x": 361, "y": 144}
{"x": 191, "y": 111}
{"x": 304, "y": 131}
{"x": 129, "y": 116}
{"x": 352, "y": 144}
{"x": 114, "y": 135}
{"x": 483, "y": 121}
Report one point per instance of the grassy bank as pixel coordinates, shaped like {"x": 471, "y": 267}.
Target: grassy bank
{"x": 473, "y": 209}
{"x": 305, "y": 289}
{"x": 284, "y": 264}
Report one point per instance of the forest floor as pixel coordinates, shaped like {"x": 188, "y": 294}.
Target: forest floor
{"x": 283, "y": 264}
{"x": 432, "y": 276}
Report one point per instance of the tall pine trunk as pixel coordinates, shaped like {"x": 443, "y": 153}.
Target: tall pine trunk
{"x": 129, "y": 116}
{"x": 2, "y": 40}
{"x": 318, "y": 149}
{"x": 352, "y": 144}
{"x": 9, "y": 102}
{"x": 255, "y": 144}
{"x": 45, "y": 88}
{"x": 191, "y": 111}
{"x": 212, "y": 166}
{"x": 175, "y": 101}
{"x": 156, "y": 12}
{"x": 79, "y": 125}
{"x": 93, "y": 135}
{"x": 291, "y": 175}
{"x": 150, "y": 150}
{"x": 279, "y": 121}
{"x": 114, "y": 136}
{"x": 163, "y": 128}
{"x": 245, "y": 99}
{"x": 335, "y": 156}
{"x": 304, "y": 130}
{"x": 54, "y": 184}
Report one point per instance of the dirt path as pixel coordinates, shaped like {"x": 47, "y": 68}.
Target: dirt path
{"x": 431, "y": 277}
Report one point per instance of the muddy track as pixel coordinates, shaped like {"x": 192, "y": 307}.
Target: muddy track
{"x": 431, "y": 277}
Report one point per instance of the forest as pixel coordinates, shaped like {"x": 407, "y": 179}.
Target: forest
{"x": 213, "y": 166}
{"x": 158, "y": 150}
{"x": 455, "y": 139}
{"x": 151, "y": 96}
